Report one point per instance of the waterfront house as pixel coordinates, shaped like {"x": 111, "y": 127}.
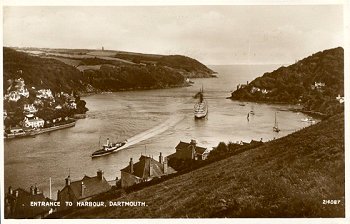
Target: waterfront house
{"x": 190, "y": 151}
{"x": 16, "y": 130}
{"x": 33, "y": 122}
{"x": 255, "y": 89}
{"x": 82, "y": 190}
{"x": 17, "y": 204}
{"x": 145, "y": 170}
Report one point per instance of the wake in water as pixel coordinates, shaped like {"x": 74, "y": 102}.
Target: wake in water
{"x": 153, "y": 131}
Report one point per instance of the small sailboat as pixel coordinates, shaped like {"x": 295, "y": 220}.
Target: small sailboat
{"x": 275, "y": 127}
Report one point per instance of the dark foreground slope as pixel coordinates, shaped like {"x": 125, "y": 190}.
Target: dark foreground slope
{"x": 294, "y": 84}
{"x": 288, "y": 177}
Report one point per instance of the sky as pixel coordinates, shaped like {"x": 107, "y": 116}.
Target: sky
{"x": 211, "y": 34}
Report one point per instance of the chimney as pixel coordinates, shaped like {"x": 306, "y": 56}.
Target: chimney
{"x": 31, "y": 189}
{"x": 160, "y": 158}
{"x": 100, "y": 174}
{"x": 131, "y": 164}
{"x": 165, "y": 165}
{"x": 247, "y": 82}
{"x": 35, "y": 190}
{"x": 82, "y": 189}
{"x": 107, "y": 141}
{"x": 193, "y": 142}
{"x": 193, "y": 148}
{"x": 68, "y": 181}
{"x": 10, "y": 190}
{"x": 150, "y": 167}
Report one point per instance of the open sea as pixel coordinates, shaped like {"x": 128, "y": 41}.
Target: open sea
{"x": 153, "y": 121}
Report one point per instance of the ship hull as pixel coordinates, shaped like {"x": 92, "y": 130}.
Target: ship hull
{"x": 103, "y": 152}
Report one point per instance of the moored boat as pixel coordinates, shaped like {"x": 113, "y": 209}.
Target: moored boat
{"x": 108, "y": 148}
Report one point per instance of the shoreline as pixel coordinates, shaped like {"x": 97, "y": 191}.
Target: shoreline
{"x": 133, "y": 89}
{"x": 314, "y": 114}
{"x": 43, "y": 130}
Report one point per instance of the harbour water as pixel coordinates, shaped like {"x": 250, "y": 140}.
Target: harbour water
{"x": 153, "y": 121}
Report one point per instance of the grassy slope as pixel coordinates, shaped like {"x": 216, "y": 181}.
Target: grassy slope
{"x": 288, "y": 177}
{"x": 42, "y": 72}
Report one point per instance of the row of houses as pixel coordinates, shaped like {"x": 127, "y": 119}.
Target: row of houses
{"x": 17, "y": 202}
{"x": 257, "y": 89}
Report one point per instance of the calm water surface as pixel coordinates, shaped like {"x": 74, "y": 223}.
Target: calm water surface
{"x": 153, "y": 121}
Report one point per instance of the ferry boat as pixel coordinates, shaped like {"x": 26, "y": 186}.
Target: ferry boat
{"x": 108, "y": 148}
{"x": 200, "y": 108}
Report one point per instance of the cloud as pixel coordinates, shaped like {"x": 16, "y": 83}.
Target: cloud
{"x": 211, "y": 34}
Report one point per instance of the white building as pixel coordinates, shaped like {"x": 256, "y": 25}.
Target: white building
{"x": 44, "y": 93}
{"x": 34, "y": 122}
{"x": 340, "y": 98}
{"x": 255, "y": 89}
{"x": 23, "y": 92}
{"x": 13, "y": 96}
{"x": 29, "y": 108}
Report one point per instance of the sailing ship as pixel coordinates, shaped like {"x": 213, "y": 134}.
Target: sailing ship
{"x": 201, "y": 107}
{"x": 108, "y": 148}
{"x": 275, "y": 127}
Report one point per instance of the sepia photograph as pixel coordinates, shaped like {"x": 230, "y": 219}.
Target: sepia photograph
{"x": 173, "y": 111}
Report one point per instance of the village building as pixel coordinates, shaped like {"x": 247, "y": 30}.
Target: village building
{"x": 240, "y": 86}
{"x": 33, "y": 122}
{"x": 29, "y": 108}
{"x": 23, "y": 92}
{"x": 19, "y": 83}
{"x": 82, "y": 190}
{"x": 44, "y": 93}
{"x": 265, "y": 91}
{"x": 72, "y": 105}
{"x": 58, "y": 107}
{"x": 340, "y": 98}
{"x": 38, "y": 102}
{"x": 145, "y": 170}
{"x": 255, "y": 89}
{"x": 13, "y": 96}
{"x": 190, "y": 151}
{"x": 18, "y": 204}
{"x": 16, "y": 130}
{"x": 318, "y": 85}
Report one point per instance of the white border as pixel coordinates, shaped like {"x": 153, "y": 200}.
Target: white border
{"x": 345, "y": 3}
